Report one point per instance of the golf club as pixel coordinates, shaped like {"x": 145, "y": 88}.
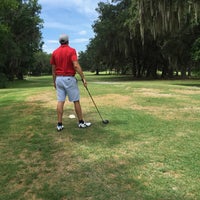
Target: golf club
{"x": 104, "y": 121}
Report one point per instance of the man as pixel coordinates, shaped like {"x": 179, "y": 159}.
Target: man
{"x": 65, "y": 64}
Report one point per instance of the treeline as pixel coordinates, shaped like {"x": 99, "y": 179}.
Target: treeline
{"x": 147, "y": 38}
{"x": 21, "y": 39}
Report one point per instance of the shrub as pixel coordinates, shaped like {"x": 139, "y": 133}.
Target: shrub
{"x": 3, "y": 80}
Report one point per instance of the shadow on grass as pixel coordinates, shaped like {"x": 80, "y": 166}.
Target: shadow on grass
{"x": 96, "y": 163}
{"x": 190, "y": 84}
{"x": 46, "y": 81}
{"x": 31, "y": 82}
{"x": 103, "y": 166}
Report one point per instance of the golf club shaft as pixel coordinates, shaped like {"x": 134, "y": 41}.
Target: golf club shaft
{"x": 94, "y": 103}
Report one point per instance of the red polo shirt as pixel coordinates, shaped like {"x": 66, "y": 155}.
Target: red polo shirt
{"x": 63, "y": 58}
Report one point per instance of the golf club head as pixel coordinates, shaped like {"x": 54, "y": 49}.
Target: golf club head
{"x": 105, "y": 121}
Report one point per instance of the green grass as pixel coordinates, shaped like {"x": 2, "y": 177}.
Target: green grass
{"x": 148, "y": 151}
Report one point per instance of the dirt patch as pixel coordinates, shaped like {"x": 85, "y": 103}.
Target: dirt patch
{"x": 191, "y": 91}
{"x": 47, "y": 99}
{"x": 130, "y": 101}
{"x": 152, "y": 93}
{"x": 110, "y": 100}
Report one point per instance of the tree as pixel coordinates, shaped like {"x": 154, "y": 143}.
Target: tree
{"x": 5, "y": 33}
{"x": 170, "y": 22}
{"x": 21, "y": 23}
{"x": 112, "y": 36}
{"x": 40, "y": 65}
{"x": 144, "y": 36}
{"x": 196, "y": 50}
{"x": 195, "y": 53}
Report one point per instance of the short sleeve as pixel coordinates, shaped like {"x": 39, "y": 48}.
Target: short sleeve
{"x": 74, "y": 55}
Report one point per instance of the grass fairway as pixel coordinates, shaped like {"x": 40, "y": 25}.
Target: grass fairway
{"x": 149, "y": 150}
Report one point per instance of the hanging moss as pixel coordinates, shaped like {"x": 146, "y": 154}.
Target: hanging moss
{"x": 160, "y": 16}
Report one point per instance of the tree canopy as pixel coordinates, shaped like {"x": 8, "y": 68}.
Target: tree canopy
{"x": 144, "y": 37}
{"x": 20, "y": 36}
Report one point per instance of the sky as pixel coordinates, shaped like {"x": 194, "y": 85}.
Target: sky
{"x": 72, "y": 17}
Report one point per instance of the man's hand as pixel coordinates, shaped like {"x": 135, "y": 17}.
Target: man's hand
{"x": 54, "y": 84}
{"x": 84, "y": 82}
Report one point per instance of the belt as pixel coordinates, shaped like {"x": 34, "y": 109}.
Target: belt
{"x": 64, "y": 75}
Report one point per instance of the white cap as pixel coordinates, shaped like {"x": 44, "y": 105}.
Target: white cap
{"x": 63, "y": 38}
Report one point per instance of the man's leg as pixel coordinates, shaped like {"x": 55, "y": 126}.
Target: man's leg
{"x": 78, "y": 110}
{"x": 60, "y": 107}
{"x": 82, "y": 124}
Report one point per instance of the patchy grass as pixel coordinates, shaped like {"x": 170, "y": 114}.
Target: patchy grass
{"x": 149, "y": 150}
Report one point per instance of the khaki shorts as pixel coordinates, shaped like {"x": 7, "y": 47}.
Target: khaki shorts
{"x": 67, "y": 86}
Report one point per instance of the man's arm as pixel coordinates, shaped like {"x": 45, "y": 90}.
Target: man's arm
{"x": 54, "y": 75}
{"x": 79, "y": 70}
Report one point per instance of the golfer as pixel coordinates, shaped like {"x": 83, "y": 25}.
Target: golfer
{"x": 65, "y": 64}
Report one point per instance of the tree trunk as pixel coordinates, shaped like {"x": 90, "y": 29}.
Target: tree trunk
{"x": 164, "y": 71}
{"x": 183, "y": 72}
{"x": 20, "y": 76}
{"x": 134, "y": 70}
{"x": 97, "y": 71}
